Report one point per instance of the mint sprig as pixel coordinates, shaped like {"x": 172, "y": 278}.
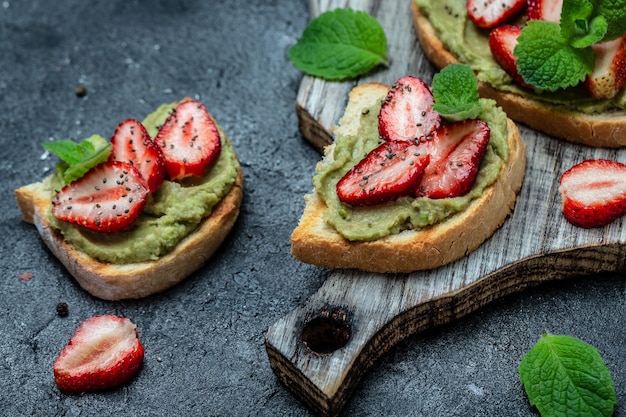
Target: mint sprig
{"x": 455, "y": 92}
{"x": 340, "y": 44}
{"x": 565, "y": 376}
{"x": 78, "y": 158}
{"x": 552, "y": 56}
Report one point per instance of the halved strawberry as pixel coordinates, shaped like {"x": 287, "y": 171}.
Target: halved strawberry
{"x": 491, "y": 13}
{"x": 502, "y": 41}
{"x": 132, "y": 143}
{"x": 456, "y": 151}
{"x": 406, "y": 112}
{"x": 609, "y": 74}
{"x": 108, "y": 198}
{"x": 593, "y": 192}
{"x": 189, "y": 140}
{"x": 103, "y": 353}
{"x": 390, "y": 171}
{"x": 549, "y": 10}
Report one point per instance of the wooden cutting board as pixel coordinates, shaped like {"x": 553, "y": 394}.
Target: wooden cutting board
{"x": 322, "y": 349}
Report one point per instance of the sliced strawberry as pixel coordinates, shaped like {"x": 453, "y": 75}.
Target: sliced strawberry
{"x": 609, "y": 74}
{"x": 103, "y": 353}
{"x": 549, "y": 10}
{"x": 593, "y": 192}
{"x": 502, "y": 41}
{"x": 132, "y": 143}
{"x": 189, "y": 140}
{"x": 390, "y": 171}
{"x": 406, "y": 112}
{"x": 491, "y": 13}
{"x": 107, "y": 198}
{"x": 456, "y": 151}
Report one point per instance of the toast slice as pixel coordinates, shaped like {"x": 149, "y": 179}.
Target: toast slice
{"x": 132, "y": 280}
{"x": 315, "y": 242}
{"x": 603, "y": 129}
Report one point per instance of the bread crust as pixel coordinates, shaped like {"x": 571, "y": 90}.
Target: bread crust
{"x": 606, "y": 129}
{"x": 315, "y": 242}
{"x": 135, "y": 280}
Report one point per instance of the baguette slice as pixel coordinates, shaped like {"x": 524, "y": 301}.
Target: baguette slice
{"x": 605, "y": 129}
{"x": 315, "y": 242}
{"x": 134, "y": 280}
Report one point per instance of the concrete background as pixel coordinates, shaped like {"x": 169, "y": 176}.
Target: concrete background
{"x": 204, "y": 339}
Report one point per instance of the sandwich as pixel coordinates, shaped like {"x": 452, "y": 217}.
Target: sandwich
{"x": 134, "y": 216}
{"x": 405, "y": 187}
{"x": 572, "y": 93}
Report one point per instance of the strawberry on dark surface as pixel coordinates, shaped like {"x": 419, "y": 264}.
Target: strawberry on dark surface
{"x": 132, "y": 143}
{"x": 103, "y": 353}
{"x": 491, "y": 13}
{"x": 549, "y": 10}
{"x": 106, "y": 199}
{"x": 609, "y": 74}
{"x": 406, "y": 112}
{"x": 390, "y": 171}
{"x": 593, "y": 193}
{"x": 456, "y": 151}
{"x": 502, "y": 41}
{"x": 189, "y": 140}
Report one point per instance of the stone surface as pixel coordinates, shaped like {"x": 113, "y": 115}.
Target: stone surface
{"x": 204, "y": 339}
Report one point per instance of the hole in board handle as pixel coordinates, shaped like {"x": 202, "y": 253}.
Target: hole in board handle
{"x": 327, "y": 332}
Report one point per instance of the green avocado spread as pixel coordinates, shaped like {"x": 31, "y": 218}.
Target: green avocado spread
{"x": 469, "y": 44}
{"x": 172, "y": 212}
{"x": 375, "y": 222}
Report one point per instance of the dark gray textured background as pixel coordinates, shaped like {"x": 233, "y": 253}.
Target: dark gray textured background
{"x": 204, "y": 339}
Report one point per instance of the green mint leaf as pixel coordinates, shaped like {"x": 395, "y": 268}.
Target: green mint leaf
{"x": 614, "y": 12}
{"x": 455, "y": 92}
{"x": 580, "y": 25}
{"x": 565, "y": 376}
{"x": 547, "y": 61}
{"x": 340, "y": 44}
{"x": 79, "y": 157}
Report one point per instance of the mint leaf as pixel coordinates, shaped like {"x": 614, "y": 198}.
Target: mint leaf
{"x": 565, "y": 376}
{"x": 614, "y": 12}
{"x": 79, "y": 157}
{"x": 340, "y": 44}
{"x": 455, "y": 91}
{"x": 547, "y": 61}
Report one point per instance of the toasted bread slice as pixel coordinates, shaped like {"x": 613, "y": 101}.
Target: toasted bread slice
{"x": 603, "y": 129}
{"x": 134, "y": 280}
{"x": 315, "y": 242}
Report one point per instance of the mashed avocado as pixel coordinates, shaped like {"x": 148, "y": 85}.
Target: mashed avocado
{"x": 470, "y": 45}
{"x": 171, "y": 213}
{"x": 371, "y": 223}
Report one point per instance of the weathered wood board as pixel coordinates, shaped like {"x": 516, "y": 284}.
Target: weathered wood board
{"x": 322, "y": 349}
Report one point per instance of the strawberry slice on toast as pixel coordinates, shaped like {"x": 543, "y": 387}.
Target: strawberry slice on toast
{"x": 132, "y": 143}
{"x": 593, "y": 193}
{"x": 609, "y": 74}
{"x": 491, "y": 13}
{"x": 390, "y": 171}
{"x": 108, "y": 198}
{"x": 456, "y": 151}
{"x": 189, "y": 140}
{"x": 502, "y": 41}
{"x": 406, "y": 113}
{"x": 548, "y": 10}
{"x": 103, "y": 353}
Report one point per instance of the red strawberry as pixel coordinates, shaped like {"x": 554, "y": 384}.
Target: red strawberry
{"x": 456, "y": 151}
{"x": 132, "y": 143}
{"x": 103, "y": 353}
{"x": 390, "y": 171}
{"x": 107, "y": 198}
{"x": 549, "y": 10}
{"x": 609, "y": 75}
{"x": 491, "y": 13}
{"x": 406, "y": 113}
{"x": 502, "y": 41}
{"x": 189, "y": 140}
{"x": 593, "y": 192}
